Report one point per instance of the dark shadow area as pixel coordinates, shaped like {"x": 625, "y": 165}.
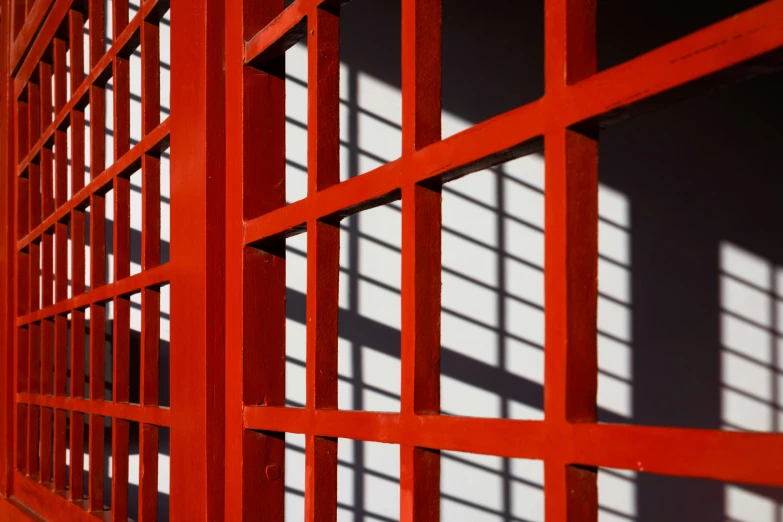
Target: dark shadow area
{"x": 629, "y": 29}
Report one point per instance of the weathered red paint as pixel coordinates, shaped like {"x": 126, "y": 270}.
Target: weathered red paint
{"x": 229, "y": 221}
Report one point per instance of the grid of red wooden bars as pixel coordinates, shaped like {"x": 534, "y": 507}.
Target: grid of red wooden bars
{"x": 227, "y": 270}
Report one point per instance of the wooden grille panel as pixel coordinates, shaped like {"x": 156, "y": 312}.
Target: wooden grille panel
{"x": 54, "y": 412}
{"x": 56, "y": 379}
{"x": 228, "y": 417}
{"x": 564, "y": 123}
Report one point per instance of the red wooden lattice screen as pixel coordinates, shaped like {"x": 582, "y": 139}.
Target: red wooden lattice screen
{"x": 227, "y": 135}
{"x": 44, "y": 415}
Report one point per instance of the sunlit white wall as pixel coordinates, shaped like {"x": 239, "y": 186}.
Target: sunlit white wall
{"x": 751, "y": 295}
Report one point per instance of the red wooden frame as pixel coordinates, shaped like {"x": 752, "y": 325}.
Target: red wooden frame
{"x": 229, "y": 222}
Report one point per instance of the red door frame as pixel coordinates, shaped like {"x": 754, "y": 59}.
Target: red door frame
{"x": 229, "y": 219}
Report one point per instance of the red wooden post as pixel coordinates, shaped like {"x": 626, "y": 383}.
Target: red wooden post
{"x": 197, "y": 257}
{"x": 7, "y": 256}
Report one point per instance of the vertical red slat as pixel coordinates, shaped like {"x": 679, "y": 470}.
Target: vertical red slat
{"x": 60, "y": 353}
{"x": 21, "y": 409}
{"x": 33, "y": 115}
{"x": 76, "y": 443}
{"x": 148, "y": 472}
{"x": 22, "y": 301}
{"x": 148, "y": 436}
{"x": 76, "y": 36}
{"x": 323, "y": 263}
{"x": 571, "y": 254}
{"x": 33, "y": 353}
{"x": 22, "y": 140}
{"x": 421, "y": 239}
{"x": 60, "y": 135}
{"x": 150, "y": 257}
{"x": 97, "y": 259}
{"x": 60, "y": 95}
{"x": 47, "y": 266}
{"x": 22, "y": 375}
{"x": 121, "y": 249}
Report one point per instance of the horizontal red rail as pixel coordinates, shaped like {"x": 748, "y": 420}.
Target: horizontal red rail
{"x": 730, "y": 456}
{"x": 723, "y": 455}
{"x": 742, "y": 37}
{"x": 430, "y": 431}
{"x": 132, "y": 412}
{"x": 52, "y": 506}
{"x": 152, "y": 277}
{"x": 130, "y": 162}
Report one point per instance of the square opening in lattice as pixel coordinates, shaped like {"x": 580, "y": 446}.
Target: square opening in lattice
{"x": 165, "y": 206}
{"x": 479, "y": 80}
{"x": 87, "y": 349}
{"x": 164, "y": 347}
{"x": 369, "y": 369}
{"x": 629, "y": 29}
{"x": 108, "y": 236}
{"x": 368, "y": 480}
{"x": 295, "y": 322}
{"x": 164, "y": 66}
{"x": 492, "y": 300}
{"x": 134, "y": 368}
{"x": 486, "y": 488}
{"x": 135, "y": 222}
{"x": 86, "y": 44}
{"x": 370, "y": 86}
{"x": 134, "y": 65}
{"x": 296, "y": 129}
{"x": 87, "y": 249}
{"x": 294, "y": 477}
{"x": 133, "y": 8}
{"x": 689, "y": 289}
